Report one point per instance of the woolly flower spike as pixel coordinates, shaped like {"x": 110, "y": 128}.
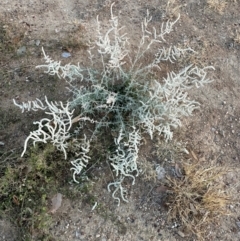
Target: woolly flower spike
{"x": 170, "y": 54}
{"x": 67, "y": 71}
{"x": 112, "y": 44}
{"x": 54, "y": 129}
{"x": 124, "y": 161}
{"x": 82, "y": 160}
{"x": 118, "y": 187}
{"x": 34, "y": 105}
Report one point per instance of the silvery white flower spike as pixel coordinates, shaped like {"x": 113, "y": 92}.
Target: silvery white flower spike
{"x": 82, "y": 160}
{"x": 54, "y": 129}
{"x": 34, "y": 105}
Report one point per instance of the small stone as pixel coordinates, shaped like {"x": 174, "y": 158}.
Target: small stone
{"x": 21, "y": 51}
{"x": 160, "y": 172}
{"x": 66, "y": 55}
{"x": 181, "y": 234}
{"x": 37, "y": 42}
{"x": 77, "y": 234}
{"x": 238, "y": 224}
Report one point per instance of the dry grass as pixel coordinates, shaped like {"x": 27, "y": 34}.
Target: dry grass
{"x": 172, "y": 9}
{"x": 148, "y": 170}
{"x": 199, "y": 198}
{"x": 237, "y": 37}
{"x": 217, "y": 5}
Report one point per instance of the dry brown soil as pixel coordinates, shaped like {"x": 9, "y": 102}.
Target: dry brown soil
{"x": 209, "y": 27}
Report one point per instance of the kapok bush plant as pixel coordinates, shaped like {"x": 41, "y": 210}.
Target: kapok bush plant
{"x": 123, "y": 95}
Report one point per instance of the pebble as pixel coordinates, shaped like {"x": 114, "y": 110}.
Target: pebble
{"x": 21, "y": 51}
{"x": 238, "y": 224}
{"x": 66, "y": 55}
{"x": 181, "y": 234}
{"x": 160, "y": 172}
{"x": 77, "y": 234}
{"x": 37, "y": 42}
